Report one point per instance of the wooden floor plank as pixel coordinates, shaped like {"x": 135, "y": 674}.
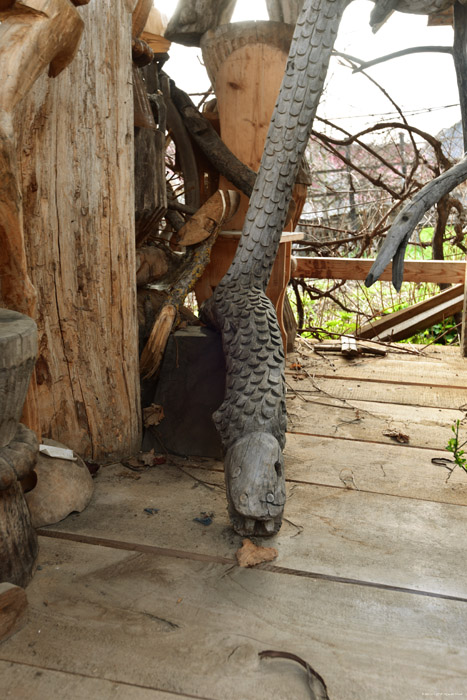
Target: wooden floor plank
{"x": 391, "y": 469}
{"x": 197, "y": 628}
{"x": 344, "y": 532}
{"x": 369, "y": 420}
{"x": 20, "y": 681}
{"x": 365, "y": 390}
{"x": 389, "y": 370}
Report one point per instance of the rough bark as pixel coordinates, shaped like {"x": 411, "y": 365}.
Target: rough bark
{"x": 76, "y": 154}
{"x": 254, "y": 404}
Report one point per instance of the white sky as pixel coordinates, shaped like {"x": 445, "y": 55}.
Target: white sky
{"x": 417, "y": 83}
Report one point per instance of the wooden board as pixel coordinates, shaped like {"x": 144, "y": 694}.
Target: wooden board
{"x": 394, "y": 470}
{"x": 346, "y": 532}
{"x": 367, "y": 421}
{"x": 349, "y": 389}
{"x": 23, "y": 681}
{"x": 420, "y": 372}
{"x": 197, "y": 627}
{"x": 452, "y": 271}
{"x": 405, "y": 322}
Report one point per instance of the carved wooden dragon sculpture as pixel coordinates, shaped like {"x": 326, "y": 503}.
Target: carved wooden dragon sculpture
{"x": 252, "y": 418}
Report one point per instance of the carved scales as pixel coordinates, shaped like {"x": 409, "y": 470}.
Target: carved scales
{"x": 252, "y": 418}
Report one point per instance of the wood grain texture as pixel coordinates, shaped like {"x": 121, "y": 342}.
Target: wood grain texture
{"x": 319, "y": 620}
{"x": 19, "y": 678}
{"x": 446, "y": 271}
{"x": 80, "y": 240}
{"x": 18, "y": 541}
{"x": 13, "y": 609}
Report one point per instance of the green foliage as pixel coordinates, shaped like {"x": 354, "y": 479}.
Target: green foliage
{"x": 362, "y": 304}
{"x": 456, "y": 448}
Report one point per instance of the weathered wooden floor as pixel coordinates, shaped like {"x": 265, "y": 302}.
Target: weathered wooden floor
{"x": 370, "y": 584}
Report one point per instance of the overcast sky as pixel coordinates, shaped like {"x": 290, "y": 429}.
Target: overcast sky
{"x": 424, "y": 85}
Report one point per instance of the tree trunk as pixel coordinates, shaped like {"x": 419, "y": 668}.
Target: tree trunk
{"x": 76, "y": 154}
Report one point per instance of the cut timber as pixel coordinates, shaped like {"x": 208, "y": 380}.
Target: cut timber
{"x": 245, "y": 62}
{"x": 440, "y": 271}
{"x": 349, "y": 346}
{"x": 154, "y": 30}
{"x": 404, "y": 323}
{"x": 220, "y": 207}
{"x": 13, "y": 609}
{"x": 140, "y": 17}
{"x": 80, "y": 240}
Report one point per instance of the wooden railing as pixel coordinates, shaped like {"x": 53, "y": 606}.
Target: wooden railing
{"x": 440, "y": 271}
{"x": 422, "y": 315}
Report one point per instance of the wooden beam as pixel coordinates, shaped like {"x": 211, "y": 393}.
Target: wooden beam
{"x": 402, "y": 324}
{"x": 452, "y": 271}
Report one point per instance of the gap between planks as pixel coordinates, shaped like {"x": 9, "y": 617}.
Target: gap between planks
{"x": 370, "y": 442}
{"x": 339, "y": 487}
{"x": 349, "y": 378}
{"x": 85, "y": 676}
{"x": 194, "y": 556}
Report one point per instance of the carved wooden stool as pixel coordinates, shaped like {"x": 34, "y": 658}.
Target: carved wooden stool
{"x": 18, "y": 448}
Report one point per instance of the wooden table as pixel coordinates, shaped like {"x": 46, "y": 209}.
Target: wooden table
{"x": 221, "y": 257}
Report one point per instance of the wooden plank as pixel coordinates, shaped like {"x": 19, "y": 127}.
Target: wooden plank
{"x": 347, "y": 389}
{"x": 448, "y": 271}
{"x": 217, "y": 619}
{"x": 367, "y": 421}
{"x": 392, "y": 470}
{"x": 384, "y": 369}
{"x": 22, "y": 681}
{"x": 352, "y": 530}
{"x": 404, "y": 323}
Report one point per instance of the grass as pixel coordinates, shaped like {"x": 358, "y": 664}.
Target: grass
{"x": 353, "y": 304}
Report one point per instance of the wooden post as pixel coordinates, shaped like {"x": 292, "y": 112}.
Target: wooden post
{"x": 76, "y": 155}
{"x": 246, "y": 62}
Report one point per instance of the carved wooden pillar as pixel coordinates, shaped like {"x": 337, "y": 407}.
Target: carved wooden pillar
{"x": 18, "y": 448}
{"x": 246, "y": 63}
